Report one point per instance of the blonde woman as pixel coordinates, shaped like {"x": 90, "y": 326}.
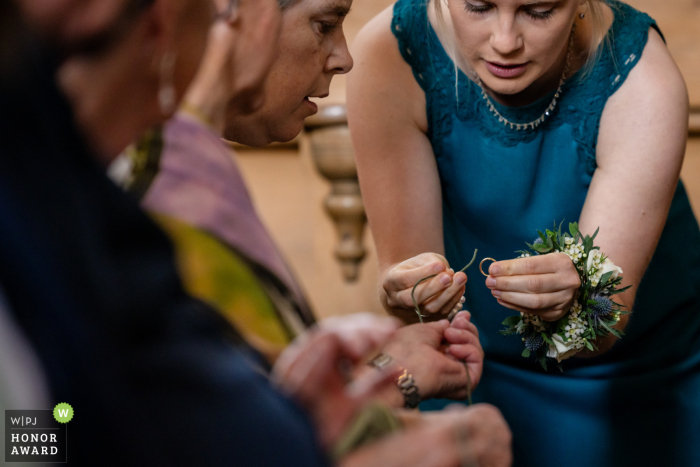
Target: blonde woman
{"x": 478, "y": 122}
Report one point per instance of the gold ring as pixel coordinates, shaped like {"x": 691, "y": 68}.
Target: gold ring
{"x": 482, "y": 262}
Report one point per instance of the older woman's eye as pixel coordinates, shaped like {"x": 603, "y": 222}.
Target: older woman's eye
{"x": 477, "y": 8}
{"x": 326, "y": 27}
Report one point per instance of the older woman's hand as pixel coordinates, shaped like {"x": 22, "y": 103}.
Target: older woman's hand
{"x": 431, "y": 352}
{"x": 458, "y": 436}
{"x": 540, "y": 285}
{"x": 440, "y": 294}
{"x": 463, "y": 339}
{"x": 317, "y": 369}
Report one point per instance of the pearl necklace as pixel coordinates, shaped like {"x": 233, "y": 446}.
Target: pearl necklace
{"x": 535, "y": 123}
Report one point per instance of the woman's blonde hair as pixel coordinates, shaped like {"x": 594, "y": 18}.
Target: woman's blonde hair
{"x": 594, "y": 12}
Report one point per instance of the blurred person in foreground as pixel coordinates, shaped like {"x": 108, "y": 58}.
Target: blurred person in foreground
{"x": 155, "y": 377}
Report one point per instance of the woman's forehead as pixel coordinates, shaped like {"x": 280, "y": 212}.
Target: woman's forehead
{"x": 516, "y": 3}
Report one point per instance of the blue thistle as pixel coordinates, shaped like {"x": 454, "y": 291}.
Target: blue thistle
{"x": 538, "y": 241}
{"x": 603, "y": 306}
{"x": 534, "y": 342}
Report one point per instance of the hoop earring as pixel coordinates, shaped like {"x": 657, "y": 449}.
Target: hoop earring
{"x": 166, "y": 90}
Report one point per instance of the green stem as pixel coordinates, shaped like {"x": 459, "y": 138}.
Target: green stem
{"x": 469, "y": 384}
{"x": 470, "y": 262}
{"x": 420, "y": 318}
{"x": 413, "y": 291}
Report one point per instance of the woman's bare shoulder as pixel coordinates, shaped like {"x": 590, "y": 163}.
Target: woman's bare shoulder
{"x": 648, "y": 114}
{"x": 377, "y": 30}
{"x": 654, "y": 87}
{"x": 382, "y": 75}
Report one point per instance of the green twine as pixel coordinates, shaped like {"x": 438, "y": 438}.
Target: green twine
{"x": 420, "y": 317}
{"x": 413, "y": 297}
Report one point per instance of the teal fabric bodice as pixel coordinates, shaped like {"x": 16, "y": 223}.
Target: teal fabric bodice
{"x": 640, "y": 402}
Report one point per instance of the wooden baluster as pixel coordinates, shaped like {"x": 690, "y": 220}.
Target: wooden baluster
{"x": 333, "y": 155}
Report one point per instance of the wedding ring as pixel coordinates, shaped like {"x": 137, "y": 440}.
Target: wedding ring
{"x": 482, "y": 262}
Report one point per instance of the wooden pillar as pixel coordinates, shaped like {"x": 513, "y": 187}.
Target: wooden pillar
{"x": 334, "y": 158}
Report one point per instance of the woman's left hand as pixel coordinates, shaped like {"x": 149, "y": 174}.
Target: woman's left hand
{"x": 540, "y": 285}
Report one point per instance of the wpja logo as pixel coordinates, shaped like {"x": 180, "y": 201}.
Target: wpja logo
{"x": 37, "y": 435}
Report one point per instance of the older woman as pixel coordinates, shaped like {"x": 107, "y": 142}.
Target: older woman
{"x": 225, "y": 254}
{"x": 476, "y": 125}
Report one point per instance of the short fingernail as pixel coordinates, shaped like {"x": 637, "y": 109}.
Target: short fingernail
{"x": 462, "y": 279}
{"x": 495, "y": 269}
{"x": 445, "y": 280}
{"x": 490, "y": 282}
{"x": 462, "y": 300}
{"x": 439, "y": 267}
{"x": 496, "y": 293}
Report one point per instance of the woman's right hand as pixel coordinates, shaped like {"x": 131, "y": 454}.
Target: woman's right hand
{"x": 440, "y": 294}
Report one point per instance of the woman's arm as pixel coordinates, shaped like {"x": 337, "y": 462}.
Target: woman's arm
{"x": 398, "y": 174}
{"x": 641, "y": 145}
{"x": 640, "y": 151}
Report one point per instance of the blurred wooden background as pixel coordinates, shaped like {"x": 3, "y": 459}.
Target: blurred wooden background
{"x": 289, "y": 191}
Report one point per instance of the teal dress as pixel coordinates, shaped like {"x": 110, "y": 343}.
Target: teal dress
{"x": 638, "y": 404}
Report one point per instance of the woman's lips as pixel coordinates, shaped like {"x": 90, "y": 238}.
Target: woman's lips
{"x": 506, "y": 71}
{"x": 313, "y": 105}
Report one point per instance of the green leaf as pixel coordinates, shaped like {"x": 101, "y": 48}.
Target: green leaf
{"x": 562, "y": 323}
{"x": 589, "y": 345}
{"x": 613, "y": 331}
{"x": 573, "y": 229}
{"x": 543, "y": 237}
{"x": 546, "y": 338}
{"x": 542, "y": 248}
{"x": 595, "y": 234}
{"x": 526, "y": 353}
{"x": 620, "y": 290}
{"x": 543, "y": 362}
{"x": 512, "y": 320}
{"x": 604, "y": 278}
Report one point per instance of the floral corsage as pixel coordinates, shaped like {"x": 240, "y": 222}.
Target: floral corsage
{"x": 593, "y": 313}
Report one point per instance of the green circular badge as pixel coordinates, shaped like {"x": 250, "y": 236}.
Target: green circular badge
{"x": 63, "y": 413}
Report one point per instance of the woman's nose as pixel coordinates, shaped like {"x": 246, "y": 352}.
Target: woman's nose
{"x": 506, "y": 39}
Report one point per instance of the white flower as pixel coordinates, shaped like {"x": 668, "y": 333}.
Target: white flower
{"x": 574, "y": 251}
{"x": 608, "y": 266}
{"x": 568, "y": 240}
{"x": 562, "y": 350}
{"x": 575, "y": 307}
{"x": 593, "y": 261}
